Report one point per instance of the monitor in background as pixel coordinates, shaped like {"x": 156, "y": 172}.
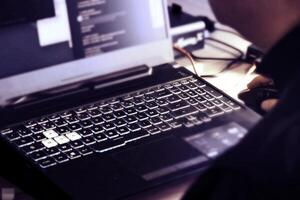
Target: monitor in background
{"x": 84, "y": 40}
{"x": 78, "y": 30}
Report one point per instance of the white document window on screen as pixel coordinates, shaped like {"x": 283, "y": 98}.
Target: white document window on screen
{"x": 56, "y": 29}
{"x": 157, "y": 13}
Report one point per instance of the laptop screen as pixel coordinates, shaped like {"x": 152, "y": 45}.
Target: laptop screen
{"x": 78, "y": 29}
{"x": 63, "y": 39}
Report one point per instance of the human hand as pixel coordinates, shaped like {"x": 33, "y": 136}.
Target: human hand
{"x": 261, "y": 81}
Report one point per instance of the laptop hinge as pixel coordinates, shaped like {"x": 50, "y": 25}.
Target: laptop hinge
{"x": 128, "y": 75}
{"x": 93, "y": 84}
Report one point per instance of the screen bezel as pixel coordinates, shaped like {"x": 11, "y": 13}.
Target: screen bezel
{"x": 151, "y": 54}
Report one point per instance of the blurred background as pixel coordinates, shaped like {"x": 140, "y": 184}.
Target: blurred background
{"x": 195, "y": 7}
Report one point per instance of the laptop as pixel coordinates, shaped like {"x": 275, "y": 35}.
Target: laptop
{"x": 91, "y": 109}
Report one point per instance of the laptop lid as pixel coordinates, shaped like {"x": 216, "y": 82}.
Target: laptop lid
{"x": 74, "y": 41}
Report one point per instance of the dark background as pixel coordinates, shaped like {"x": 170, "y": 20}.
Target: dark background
{"x": 20, "y": 50}
{"x": 13, "y": 11}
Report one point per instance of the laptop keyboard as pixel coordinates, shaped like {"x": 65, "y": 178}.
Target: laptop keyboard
{"x": 116, "y": 122}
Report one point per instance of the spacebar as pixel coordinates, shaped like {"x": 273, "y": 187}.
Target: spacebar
{"x": 133, "y": 136}
{"x": 184, "y": 112}
{"x": 107, "y": 145}
{"x": 118, "y": 142}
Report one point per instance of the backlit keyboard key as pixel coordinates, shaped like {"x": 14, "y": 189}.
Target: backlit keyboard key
{"x": 152, "y": 113}
{"x": 108, "y": 117}
{"x": 97, "y": 129}
{"x": 173, "y": 99}
{"x": 153, "y": 130}
{"x": 85, "y": 132}
{"x": 65, "y": 147}
{"x": 73, "y": 136}
{"x": 130, "y": 119}
{"x": 75, "y": 126}
{"x": 12, "y": 136}
{"x": 213, "y": 92}
{"x": 42, "y": 120}
{"x": 47, "y": 162}
{"x": 86, "y": 123}
{"x": 109, "y": 126}
{"x": 145, "y": 124}
{"x": 61, "y": 139}
{"x": 24, "y": 141}
{"x": 50, "y": 134}
{"x": 36, "y": 129}
{"x": 97, "y": 120}
{"x": 38, "y": 137}
{"x": 76, "y": 144}
{"x": 100, "y": 137}
{"x": 60, "y": 158}
{"x": 73, "y": 154}
{"x": 191, "y": 86}
{"x": 38, "y": 155}
{"x": 164, "y": 127}
{"x": 49, "y": 125}
{"x": 111, "y": 134}
{"x": 85, "y": 151}
{"x": 29, "y": 123}
{"x": 208, "y": 96}
{"x": 134, "y": 127}
{"x": 95, "y": 113}
{"x": 208, "y": 104}
{"x": 214, "y": 112}
{"x": 23, "y": 131}
{"x": 120, "y": 114}
{"x": 52, "y": 151}
{"x": 32, "y": 147}
{"x": 49, "y": 143}
{"x": 71, "y": 119}
{"x": 230, "y": 103}
{"x": 178, "y": 105}
{"x": 62, "y": 130}
{"x": 123, "y": 130}
{"x": 88, "y": 140}
{"x": 60, "y": 122}
{"x": 120, "y": 122}
{"x": 163, "y": 94}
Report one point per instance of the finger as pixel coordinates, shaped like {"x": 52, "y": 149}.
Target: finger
{"x": 259, "y": 81}
{"x": 269, "y": 104}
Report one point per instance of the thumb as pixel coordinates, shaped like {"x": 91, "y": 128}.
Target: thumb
{"x": 269, "y": 104}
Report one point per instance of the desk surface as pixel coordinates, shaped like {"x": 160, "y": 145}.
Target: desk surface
{"x": 231, "y": 82}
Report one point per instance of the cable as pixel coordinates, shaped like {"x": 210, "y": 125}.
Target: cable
{"x": 211, "y": 27}
{"x": 225, "y": 44}
{"x": 191, "y": 56}
{"x": 239, "y": 58}
{"x": 233, "y": 60}
{"x": 188, "y": 55}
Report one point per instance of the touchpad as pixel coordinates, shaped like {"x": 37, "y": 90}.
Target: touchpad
{"x": 161, "y": 158}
